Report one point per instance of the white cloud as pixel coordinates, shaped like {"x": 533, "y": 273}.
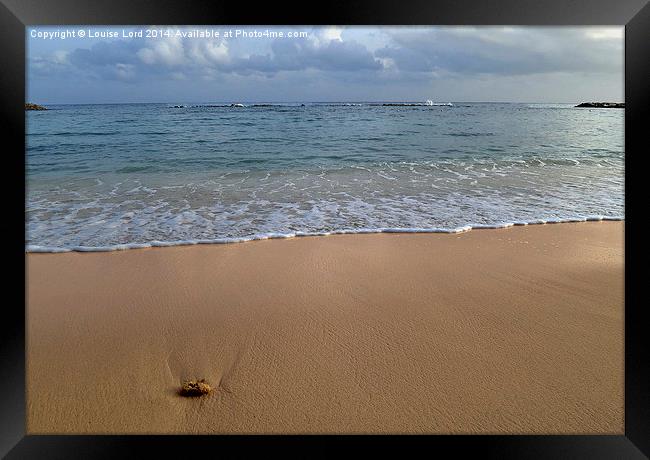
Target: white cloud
{"x": 60, "y": 57}
{"x": 331, "y": 33}
{"x": 215, "y": 52}
{"x": 610, "y": 33}
{"x": 124, "y": 71}
{"x": 388, "y": 63}
{"x": 167, "y": 51}
{"x": 147, "y": 56}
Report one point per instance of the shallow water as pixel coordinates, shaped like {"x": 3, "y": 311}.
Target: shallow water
{"x": 105, "y": 177}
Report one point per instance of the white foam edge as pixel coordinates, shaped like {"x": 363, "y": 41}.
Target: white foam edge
{"x": 270, "y": 236}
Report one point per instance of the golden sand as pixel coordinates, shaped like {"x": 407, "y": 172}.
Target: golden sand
{"x": 515, "y": 330}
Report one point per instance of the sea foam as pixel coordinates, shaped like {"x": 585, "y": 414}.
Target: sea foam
{"x": 215, "y": 174}
{"x": 270, "y": 236}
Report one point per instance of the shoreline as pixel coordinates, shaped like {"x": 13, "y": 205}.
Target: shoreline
{"x": 477, "y": 332}
{"x": 35, "y": 249}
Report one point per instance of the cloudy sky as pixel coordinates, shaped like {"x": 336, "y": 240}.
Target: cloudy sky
{"x": 508, "y": 64}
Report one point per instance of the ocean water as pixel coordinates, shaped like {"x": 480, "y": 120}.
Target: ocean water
{"x": 102, "y": 177}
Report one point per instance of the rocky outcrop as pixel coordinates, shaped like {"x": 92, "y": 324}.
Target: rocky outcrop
{"x": 603, "y": 105}
{"x": 29, "y": 106}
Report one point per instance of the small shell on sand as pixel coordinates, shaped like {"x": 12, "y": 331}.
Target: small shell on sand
{"x": 195, "y": 388}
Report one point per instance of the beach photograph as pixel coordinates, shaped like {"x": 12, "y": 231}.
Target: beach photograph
{"x": 324, "y": 230}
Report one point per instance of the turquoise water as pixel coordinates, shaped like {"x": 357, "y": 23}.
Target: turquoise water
{"x": 103, "y": 177}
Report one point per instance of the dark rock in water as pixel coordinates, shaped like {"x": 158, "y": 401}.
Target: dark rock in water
{"x": 30, "y": 106}
{"x": 603, "y": 105}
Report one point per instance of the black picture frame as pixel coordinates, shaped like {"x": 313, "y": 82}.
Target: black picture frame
{"x": 16, "y": 15}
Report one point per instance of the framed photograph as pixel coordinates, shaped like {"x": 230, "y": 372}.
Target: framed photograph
{"x": 364, "y": 219}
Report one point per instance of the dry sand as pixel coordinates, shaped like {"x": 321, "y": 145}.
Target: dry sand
{"x": 516, "y": 330}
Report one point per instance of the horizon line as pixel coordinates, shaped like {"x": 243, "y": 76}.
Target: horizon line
{"x": 313, "y": 102}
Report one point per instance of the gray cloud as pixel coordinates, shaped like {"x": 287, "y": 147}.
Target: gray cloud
{"x": 405, "y": 63}
{"x": 126, "y": 60}
{"x": 503, "y": 51}
{"x": 335, "y": 55}
{"x": 105, "y": 53}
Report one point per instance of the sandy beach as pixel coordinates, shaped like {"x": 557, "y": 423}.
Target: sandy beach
{"x": 515, "y": 330}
